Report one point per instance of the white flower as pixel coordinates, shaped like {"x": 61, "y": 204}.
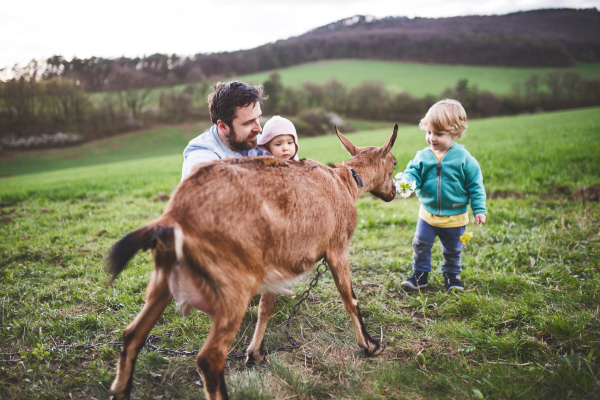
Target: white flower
{"x": 399, "y": 176}
{"x": 405, "y": 188}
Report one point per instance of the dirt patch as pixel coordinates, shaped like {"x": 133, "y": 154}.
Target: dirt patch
{"x": 74, "y": 156}
{"x": 45, "y": 211}
{"x": 161, "y": 197}
{"x": 506, "y": 195}
{"x": 6, "y": 220}
{"x": 7, "y": 175}
{"x": 588, "y": 194}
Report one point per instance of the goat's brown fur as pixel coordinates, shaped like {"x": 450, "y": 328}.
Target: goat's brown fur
{"x": 240, "y": 226}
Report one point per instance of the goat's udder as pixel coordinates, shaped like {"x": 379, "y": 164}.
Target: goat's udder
{"x": 187, "y": 295}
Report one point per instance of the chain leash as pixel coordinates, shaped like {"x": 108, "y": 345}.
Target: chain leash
{"x": 293, "y": 344}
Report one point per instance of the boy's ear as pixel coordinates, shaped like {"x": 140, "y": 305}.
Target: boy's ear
{"x": 389, "y": 143}
{"x": 346, "y": 144}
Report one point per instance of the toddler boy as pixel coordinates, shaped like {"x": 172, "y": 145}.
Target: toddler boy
{"x": 447, "y": 179}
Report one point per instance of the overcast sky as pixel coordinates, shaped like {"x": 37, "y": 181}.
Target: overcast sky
{"x": 38, "y": 29}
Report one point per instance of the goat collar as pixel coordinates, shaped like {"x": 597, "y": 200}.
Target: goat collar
{"x": 356, "y": 177}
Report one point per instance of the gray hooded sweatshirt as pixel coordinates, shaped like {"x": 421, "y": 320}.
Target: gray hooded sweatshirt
{"x": 209, "y": 147}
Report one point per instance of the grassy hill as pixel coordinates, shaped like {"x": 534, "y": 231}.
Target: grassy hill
{"x": 415, "y": 78}
{"x": 526, "y": 325}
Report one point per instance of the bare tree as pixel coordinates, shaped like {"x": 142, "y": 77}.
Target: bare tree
{"x": 133, "y": 88}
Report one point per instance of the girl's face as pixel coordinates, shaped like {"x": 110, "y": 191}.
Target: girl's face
{"x": 438, "y": 140}
{"x": 283, "y": 147}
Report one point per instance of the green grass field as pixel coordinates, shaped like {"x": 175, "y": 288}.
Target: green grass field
{"x": 561, "y": 149}
{"x": 527, "y": 325}
{"x": 414, "y": 78}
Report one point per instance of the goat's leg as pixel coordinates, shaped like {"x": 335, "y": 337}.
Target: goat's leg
{"x": 157, "y": 299}
{"x": 340, "y": 269}
{"x": 255, "y": 352}
{"x": 212, "y": 357}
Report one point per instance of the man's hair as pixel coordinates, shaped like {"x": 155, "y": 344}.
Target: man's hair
{"x": 227, "y": 97}
{"x": 446, "y": 115}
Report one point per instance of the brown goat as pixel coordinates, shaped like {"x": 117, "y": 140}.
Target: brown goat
{"x": 241, "y": 226}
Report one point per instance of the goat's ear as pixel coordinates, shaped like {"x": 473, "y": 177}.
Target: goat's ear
{"x": 346, "y": 144}
{"x": 387, "y": 147}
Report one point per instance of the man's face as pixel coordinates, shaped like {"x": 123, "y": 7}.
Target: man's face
{"x": 244, "y": 128}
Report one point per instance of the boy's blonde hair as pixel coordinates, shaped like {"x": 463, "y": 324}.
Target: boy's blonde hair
{"x": 446, "y": 115}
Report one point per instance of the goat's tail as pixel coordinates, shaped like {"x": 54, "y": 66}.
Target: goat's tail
{"x": 143, "y": 238}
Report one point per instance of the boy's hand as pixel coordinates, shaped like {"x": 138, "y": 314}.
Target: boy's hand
{"x": 480, "y": 219}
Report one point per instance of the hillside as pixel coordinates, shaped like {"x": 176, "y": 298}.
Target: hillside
{"x": 415, "y": 78}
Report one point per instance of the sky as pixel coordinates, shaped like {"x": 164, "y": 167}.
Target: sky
{"x": 38, "y": 29}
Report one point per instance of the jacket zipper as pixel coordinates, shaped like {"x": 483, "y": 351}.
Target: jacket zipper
{"x": 439, "y": 176}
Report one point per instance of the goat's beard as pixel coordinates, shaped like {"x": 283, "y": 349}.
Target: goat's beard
{"x": 239, "y": 145}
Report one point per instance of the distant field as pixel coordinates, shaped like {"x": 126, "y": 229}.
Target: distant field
{"x": 528, "y": 153}
{"x": 414, "y": 78}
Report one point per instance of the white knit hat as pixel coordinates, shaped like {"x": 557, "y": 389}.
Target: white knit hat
{"x": 278, "y": 126}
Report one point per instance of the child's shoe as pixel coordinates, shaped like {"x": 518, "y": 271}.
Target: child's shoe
{"x": 418, "y": 280}
{"x": 453, "y": 282}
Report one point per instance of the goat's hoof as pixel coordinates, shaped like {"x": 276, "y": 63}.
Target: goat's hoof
{"x": 253, "y": 359}
{"x": 374, "y": 349}
{"x": 118, "y": 396}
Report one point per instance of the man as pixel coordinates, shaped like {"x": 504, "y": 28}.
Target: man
{"x": 235, "y": 111}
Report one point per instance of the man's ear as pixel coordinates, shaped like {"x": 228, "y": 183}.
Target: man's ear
{"x": 387, "y": 147}
{"x": 346, "y": 144}
{"x": 222, "y": 127}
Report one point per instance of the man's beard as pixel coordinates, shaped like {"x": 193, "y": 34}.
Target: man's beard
{"x": 239, "y": 145}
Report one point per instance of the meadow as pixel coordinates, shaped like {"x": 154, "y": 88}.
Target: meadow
{"x": 527, "y": 325}
{"x": 415, "y": 78}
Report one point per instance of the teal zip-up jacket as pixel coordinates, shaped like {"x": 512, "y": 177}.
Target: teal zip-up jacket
{"x": 447, "y": 187}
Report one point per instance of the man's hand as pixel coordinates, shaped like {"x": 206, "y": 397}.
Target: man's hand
{"x": 480, "y": 219}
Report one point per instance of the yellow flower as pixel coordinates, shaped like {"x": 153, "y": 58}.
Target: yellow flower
{"x": 466, "y": 237}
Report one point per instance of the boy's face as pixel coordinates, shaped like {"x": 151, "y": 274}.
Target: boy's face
{"x": 283, "y": 146}
{"x": 438, "y": 140}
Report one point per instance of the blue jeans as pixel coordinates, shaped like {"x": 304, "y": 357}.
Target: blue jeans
{"x": 451, "y": 247}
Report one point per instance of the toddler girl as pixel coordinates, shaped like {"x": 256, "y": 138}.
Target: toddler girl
{"x": 279, "y": 139}
{"x": 447, "y": 179}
